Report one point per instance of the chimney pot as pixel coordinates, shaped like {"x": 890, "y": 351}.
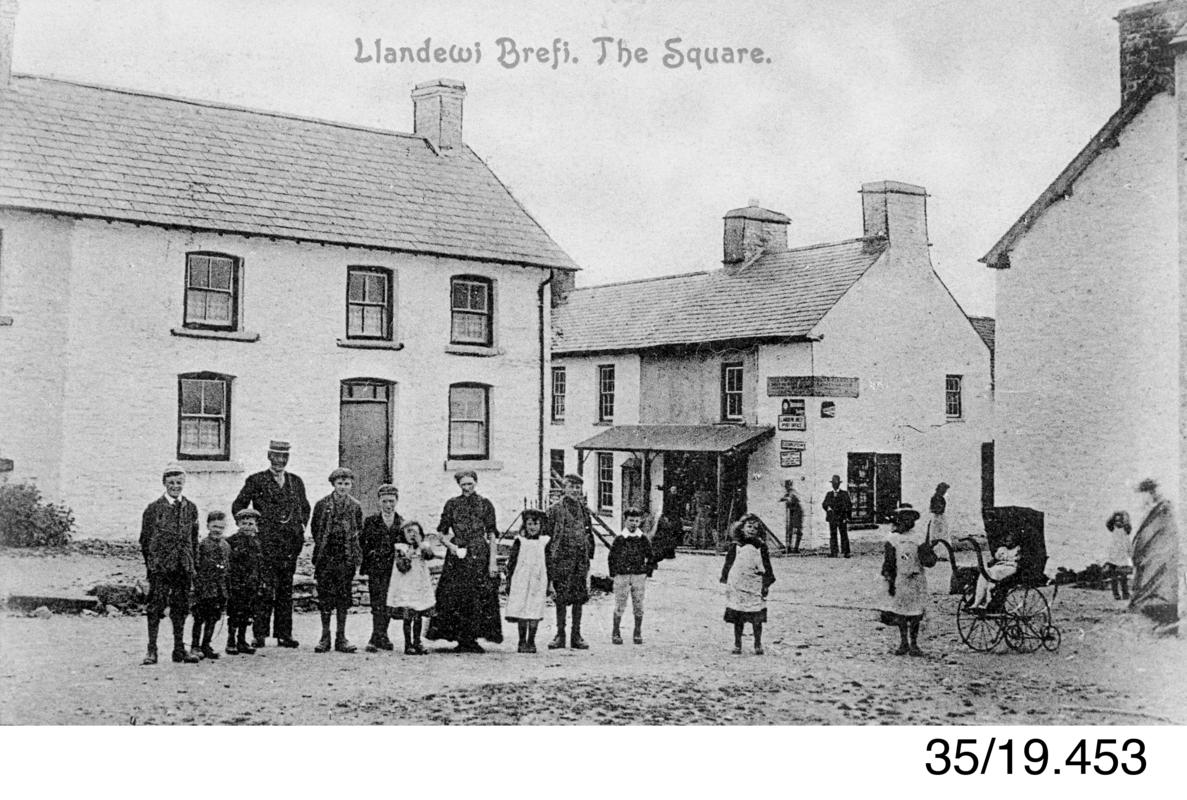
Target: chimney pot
{"x": 437, "y": 112}
{"x": 895, "y": 211}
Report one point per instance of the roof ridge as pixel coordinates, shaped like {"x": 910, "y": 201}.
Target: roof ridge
{"x": 222, "y": 106}
{"x": 819, "y": 245}
{"x": 643, "y": 280}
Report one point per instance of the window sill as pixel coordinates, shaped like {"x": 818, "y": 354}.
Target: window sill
{"x": 370, "y": 344}
{"x": 605, "y": 512}
{"x": 604, "y": 423}
{"x": 5, "y": 322}
{"x": 558, "y": 422}
{"x": 211, "y": 466}
{"x": 473, "y": 350}
{"x": 478, "y": 465}
{"x": 230, "y": 336}
{"x": 954, "y": 419}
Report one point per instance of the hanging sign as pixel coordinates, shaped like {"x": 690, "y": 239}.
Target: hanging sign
{"x": 792, "y": 444}
{"x": 791, "y": 458}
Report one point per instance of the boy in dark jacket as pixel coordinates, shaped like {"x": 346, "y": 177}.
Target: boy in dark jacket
{"x": 243, "y": 580}
{"x": 381, "y": 533}
{"x": 210, "y": 584}
{"x": 631, "y": 564}
{"x": 336, "y": 524}
{"x": 169, "y": 543}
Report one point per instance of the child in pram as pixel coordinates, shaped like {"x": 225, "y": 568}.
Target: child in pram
{"x": 1003, "y": 564}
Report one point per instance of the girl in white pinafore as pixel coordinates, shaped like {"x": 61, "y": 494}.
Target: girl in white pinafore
{"x": 527, "y": 573}
{"x": 410, "y": 595}
{"x": 906, "y": 595}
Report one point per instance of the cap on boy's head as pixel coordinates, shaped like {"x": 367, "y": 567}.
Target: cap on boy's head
{"x": 534, "y": 513}
{"x": 278, "y": 446}
{"x": 464, "y": 473}
{"x": 341, "y": 472}
{"x": 387, "y": 490}
{"x": 573, "y": 477}
{"x": 215, "y": 516}
{"x": 632, "y": 512}
{"x": 173, "y": 469}
{"x": 246, "y": 513}
{"x": 1148, "y": 485}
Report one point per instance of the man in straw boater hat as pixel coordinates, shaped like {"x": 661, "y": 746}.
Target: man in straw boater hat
{"x": 337, "y": 523}
{"x": 279, "y": 496}
{"x": 169, "y": 542}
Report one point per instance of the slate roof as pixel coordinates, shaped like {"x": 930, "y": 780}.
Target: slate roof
{"x": 100, "y": 152}
{"x": 781, "y": 295}
{"x": 985, "y": 327}
{"x": 682, "y": 438}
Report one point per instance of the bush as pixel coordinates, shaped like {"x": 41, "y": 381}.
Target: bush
{"x": 25, "y": 521}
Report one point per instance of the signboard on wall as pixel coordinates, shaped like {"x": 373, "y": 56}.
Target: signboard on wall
{"x": 792, "y": 422}
{"x": 811, "y": 386}
{"x": 791, "y": 458}
{"x": 792, "y": 444}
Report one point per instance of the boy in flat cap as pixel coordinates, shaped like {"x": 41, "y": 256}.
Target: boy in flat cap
{"x": 381, "y": 533}
{"x": 337, "y": 523}
{"x": 279, "y": 496}
{"x": 568, "y": 555}
{"x": 210, "y": 584}
{"x": 243, "y": 581}
{"x": 169, "y": 543}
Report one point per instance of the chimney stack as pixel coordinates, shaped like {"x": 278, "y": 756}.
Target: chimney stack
{"x": 437, "y": 112}
{"x": 8, "y": 9}
{"x": 895, "y": 211}
{"x": 1145, "y": 32}
{"x": 752, "y": 230}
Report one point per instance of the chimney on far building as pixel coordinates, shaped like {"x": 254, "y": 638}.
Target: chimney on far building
{"x": 8, "y": 9}
{"x": 895, "y": 211}
{"x": 1145, "y": 33}
{"x": 437, "y": 112}
{"x": 751, "y": 231}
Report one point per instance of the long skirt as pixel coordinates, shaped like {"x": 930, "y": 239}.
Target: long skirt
{"x": 467, "y": 603}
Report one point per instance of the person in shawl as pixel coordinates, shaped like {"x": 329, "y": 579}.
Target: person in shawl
{"x": 1156, "y": 562}
{"x": 467, "y": 592}
{"x": 938, "y": 506}
{"x": 381, "y": 534}
{"x": 905, "y": 579}
{"x": 527, "y": 577}
{"x": 568, "y": 555}
{"x": 337, "y": 522}
{"x": 747, "y": 576}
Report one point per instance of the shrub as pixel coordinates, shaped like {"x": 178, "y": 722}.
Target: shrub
{"x": 26, "y": 521}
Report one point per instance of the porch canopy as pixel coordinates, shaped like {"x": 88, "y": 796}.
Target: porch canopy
{"x": 678, "y": 438}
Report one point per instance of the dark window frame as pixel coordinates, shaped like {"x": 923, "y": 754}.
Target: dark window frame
{"x": 606, "y": 396}
{"x": 728, "y": 395}
{"x": 485, "y": 454}
{"x": 235, "y": 292}
{"x": 954, "y": 396}
{"x": 489, "y": 313}
{"x": 558, "y": 397}
{"x": 605, "y": 483}
{"x": 210, "y": 377}
{"x": 388, "y": 305}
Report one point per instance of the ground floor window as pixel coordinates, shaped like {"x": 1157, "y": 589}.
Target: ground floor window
{"x": 204, "y": 416}
{"x": 605, "y": 483}
{"x": 469, "y": 421}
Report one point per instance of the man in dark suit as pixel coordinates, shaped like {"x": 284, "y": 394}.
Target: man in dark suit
{"x": 169, "y": 542}
{"x": 837, "y": 508}
{"x": 284, "y": 509}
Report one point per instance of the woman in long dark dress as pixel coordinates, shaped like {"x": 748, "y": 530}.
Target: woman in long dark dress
{"x": 467, "y": 593}
{"x": 1156, "y": 562}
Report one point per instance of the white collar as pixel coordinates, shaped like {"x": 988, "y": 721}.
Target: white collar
{"x": 629, "y": 534}
{"x": 171, "y": 501}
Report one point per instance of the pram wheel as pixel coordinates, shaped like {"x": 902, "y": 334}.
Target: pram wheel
{"x": 1027, "y": 618}
{"x": 978, "y": 631}
{"x": 1051, "y": 638}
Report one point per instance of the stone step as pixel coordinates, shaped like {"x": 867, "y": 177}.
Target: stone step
{"x": 59, "y": 605}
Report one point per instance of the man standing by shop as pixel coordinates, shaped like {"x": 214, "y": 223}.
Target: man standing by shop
{"x": 837, "y": 508}
{"x": 284, "y": 509}
{"x": 169, "y": 543}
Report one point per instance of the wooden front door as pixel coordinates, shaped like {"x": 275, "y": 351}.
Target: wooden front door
{"x": 888, "y": 485}
{"x": 364, "y": 437}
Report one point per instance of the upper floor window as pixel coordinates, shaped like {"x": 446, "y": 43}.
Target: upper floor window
{"x": 953, "y": 399}
{"x": 606, "y": 393}
{"x": 469, "y": 421}
{"x": 212, "y": 291}
{"x": 731, "y": 392}
{"x": 558, "y": 394}
{"x": 204, "y": 416}
{"x": 368, "y": 303}
{"x": 472, "y": 311}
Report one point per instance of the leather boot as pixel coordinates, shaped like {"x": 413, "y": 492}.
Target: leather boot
{"x": 385, "y": 642}
{"x": 232, "y": 648}
{"x": 638, "y": 639}
{"x": 575, "y": 641}
{"x": 616, "y": 635}
{"x": 373, "y": 642}
{"x": 150, "y": 657}
{"x": 323, "y": 644}
{"x": 558, "y": 641}
{"x": 341, "y": 645}
{"x": 241, "y": 643}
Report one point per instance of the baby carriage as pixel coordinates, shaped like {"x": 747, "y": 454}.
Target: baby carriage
{"x": 1018, "y": 612}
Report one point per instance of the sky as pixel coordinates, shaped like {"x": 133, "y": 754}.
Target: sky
{"x": 631, "y": 168}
